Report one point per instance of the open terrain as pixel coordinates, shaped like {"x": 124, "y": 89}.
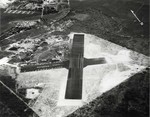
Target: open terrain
{"x": 110, "y": 27}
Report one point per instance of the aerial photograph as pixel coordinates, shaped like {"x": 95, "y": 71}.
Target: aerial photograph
{"x": 74, "y": 58}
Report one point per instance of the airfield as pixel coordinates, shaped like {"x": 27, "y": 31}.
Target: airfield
{"x": 111, "y": 66}
{"x": 121, "y": 64}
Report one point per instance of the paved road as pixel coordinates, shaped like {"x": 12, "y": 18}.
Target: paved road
{"x": 74, "y": 83}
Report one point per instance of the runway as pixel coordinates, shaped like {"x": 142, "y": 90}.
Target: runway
{"x": 74, "y": 82}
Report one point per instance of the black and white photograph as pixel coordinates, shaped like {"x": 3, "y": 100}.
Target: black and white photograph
{"x": 74, "y": 58}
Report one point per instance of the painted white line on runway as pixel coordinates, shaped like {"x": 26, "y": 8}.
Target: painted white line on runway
{"x": 19, "y": 12}
{"x": 9, "y": 11}
{"x": 23, "y": 12}
{"x": 14, "y": 11}
{"x": 28, "y": 12}
{"x": 6, "y": 10}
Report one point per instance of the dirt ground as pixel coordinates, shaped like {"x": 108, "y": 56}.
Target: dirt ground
{"x": 117, "y": 25}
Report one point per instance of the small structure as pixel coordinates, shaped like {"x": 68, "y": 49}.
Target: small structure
{"x": 32, "y": 93}
{"x": 55, "y": 5}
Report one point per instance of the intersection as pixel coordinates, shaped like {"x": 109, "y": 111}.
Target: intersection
{"x": 110, "y": 65}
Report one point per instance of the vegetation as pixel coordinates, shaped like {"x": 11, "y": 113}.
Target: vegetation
{"x": 122, "y": 31}
{"x": 129, "y": 99}
{"x": 4, "y": 54}
{"x": 4, "y": 110}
